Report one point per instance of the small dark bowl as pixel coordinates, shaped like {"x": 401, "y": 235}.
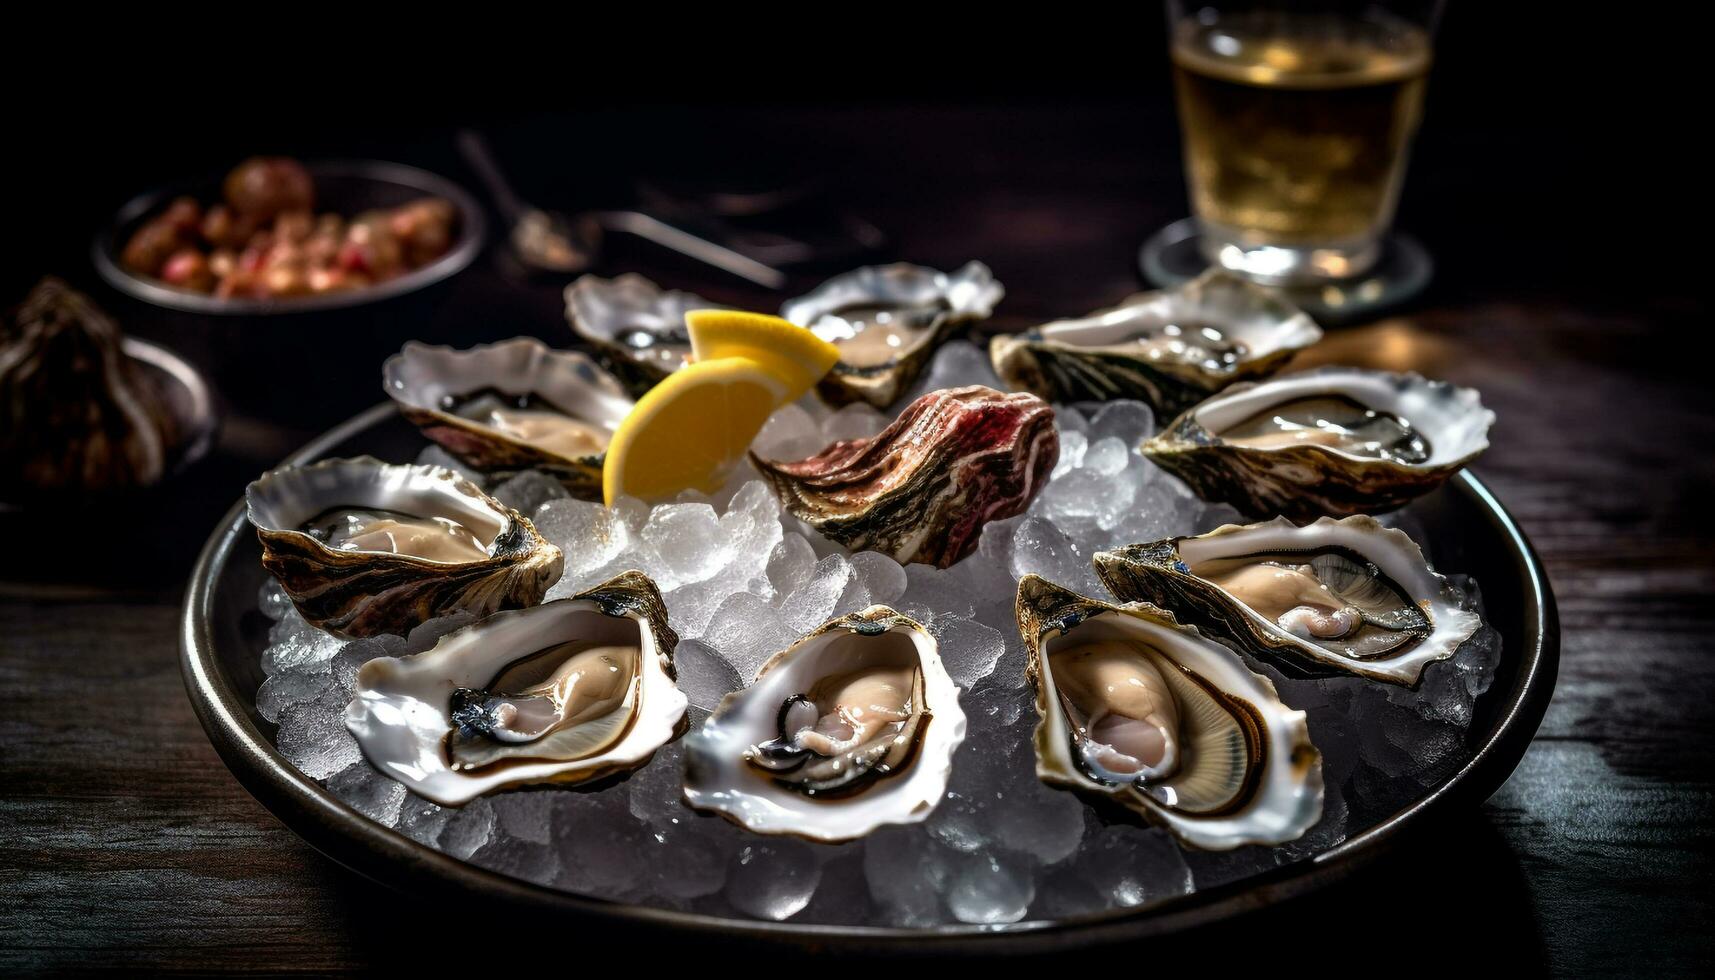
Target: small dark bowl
{"x": 344, "y": 187}
{"x": 191, "y": 404}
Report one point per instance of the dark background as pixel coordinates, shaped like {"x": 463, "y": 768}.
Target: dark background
{"x": 1554, "y": 181}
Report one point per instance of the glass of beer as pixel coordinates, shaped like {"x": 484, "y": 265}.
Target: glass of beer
{"x": 1298, "y": 117}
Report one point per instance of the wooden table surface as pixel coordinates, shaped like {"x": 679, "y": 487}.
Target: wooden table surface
{"x": 125, "y": 842}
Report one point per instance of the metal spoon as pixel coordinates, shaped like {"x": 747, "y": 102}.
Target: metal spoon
{"x": 554, "y": 243}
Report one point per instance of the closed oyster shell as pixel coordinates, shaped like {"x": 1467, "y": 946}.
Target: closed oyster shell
{"x": 1305, "y": 481}
{"x": 1154, "y": 347}
{"x": 924, "y": 304}
{"x": 409, "y": 712}
{"x": 76, "y": 414}
{"x": 922, "y": 489}
{"x": 636, "y": 327}
{"x": 363, "y": 593}
{"x": 424, "y": 380}
{"x": 1238, "y": 766}
{"x": 904, "y": 785}
{"x": 1429, "y": 623}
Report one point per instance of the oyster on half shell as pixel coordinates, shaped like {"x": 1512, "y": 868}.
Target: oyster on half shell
{"x": 568, "y": 691}
{"x": 1135, "y": 708}
{"x": 852, "y": 727}
{"x": 636, "y": 327}
{"x": 887, "y": 320}
{"x": 922, "y": 489}
{"x": 1343, "y": 596}
{"x": 512, "y": 405}
{"x": 364, "y": 547}
{"x": 1171, "y": 348}
{"x": 1334, "y": 441}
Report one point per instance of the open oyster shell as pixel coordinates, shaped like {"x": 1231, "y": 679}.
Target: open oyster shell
{"x": 636, "y": 327}
{"x": 852, "y": 727}
{"x": 456, "y": 547}
{"x": 1334, "y": 440}
{"x": 887, "y": 320}
{"x": 1333, "y": 596}
{"x": 566, "y": 692}
{"x": 1137, "y": 709}
{"x": 512, "y": 405}
{"x": 1171, "y": 348}
{"x": 922, "y": 489}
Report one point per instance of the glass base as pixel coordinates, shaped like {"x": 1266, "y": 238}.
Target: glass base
{"x": 1174, "y": 255}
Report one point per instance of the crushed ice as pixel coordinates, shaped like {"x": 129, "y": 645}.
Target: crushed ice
{"x": 743, "y": 580}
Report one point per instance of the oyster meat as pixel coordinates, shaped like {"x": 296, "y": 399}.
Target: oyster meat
{"x": 637, "y": 327}
{"x": 1137, "y": 709}
{"x": 568, "y": 691}
{"x": 850, "y": 728}
{"x": 512, "y": 406}
{"x": 364, "y": 547}
{"x": 922, "y": 489}
{"x": 887, "y": 321}
{"x": 79, "y": 416}
{"x": 1171, "y": 348}
{"x": 1333, "y": 596}
{"x": 1331, "y": 441}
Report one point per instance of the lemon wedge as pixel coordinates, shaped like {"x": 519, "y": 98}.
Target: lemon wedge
{"x": 686, "y": 431}
{"x": 792, "y": 353}
{"x": 689, "y": 429}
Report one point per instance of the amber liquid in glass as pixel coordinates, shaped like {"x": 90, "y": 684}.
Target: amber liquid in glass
{"x": 1296, "y": 128}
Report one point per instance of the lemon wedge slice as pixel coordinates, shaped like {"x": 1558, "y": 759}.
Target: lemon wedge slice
{"x": 792, "y": 353}
{"x": 687, "y": 430}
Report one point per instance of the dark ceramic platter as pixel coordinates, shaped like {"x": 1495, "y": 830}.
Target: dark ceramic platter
{"x": 224, "y": 635}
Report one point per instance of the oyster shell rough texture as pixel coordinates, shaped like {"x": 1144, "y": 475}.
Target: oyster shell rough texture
{"x": 1171, "y": 348}
{"x": 512, "y": 405}
{"x": 1138, "y": 709}
{"x": 636, "y": 327}
{"x": 364, "y": 547}
{"x": 76, "y": 414}
{"x": 1347, "y": 595}
{"x": 852, "y": 727}
{"x": 568, "y": 691}
{"x": 922, "y": 489}
{"x": 1330, "y": 441}
{"x": 887, "y": 320}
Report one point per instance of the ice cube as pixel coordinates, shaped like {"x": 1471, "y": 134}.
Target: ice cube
{"x": 1131, "y": 422}
{"x": 958, "y": 363}
{"x": 313, "y": 737}
{"x": 882, "y": 577}
{"x": 1107, "y": 456}
{"x": 688, "y": 538}
{"x": 812, "y": 603}
{"x": 990, "y": 889}
{"x": 1073, "y": 445}
{"x": 791, "y": 433}
{"x": 705, "y": 676}
{"x": 589, "y": 534}
{"x": 526, "y": 813}
{"x": 1040, "y": 548}
{"x": 969, "y": 649}
{"x": 746, "y": 631}
{"x": 528, "y": 491}
{"x": 289, "y": 687}
{"x": 791, "y": 563}
{"x": 468, "y": 828}
{"x": 368, "y": 792}
{"x": 296, "y": 645}
{"x": 772, "y": 879}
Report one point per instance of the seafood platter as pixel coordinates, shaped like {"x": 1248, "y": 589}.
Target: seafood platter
{"x": 866, "y": 623}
